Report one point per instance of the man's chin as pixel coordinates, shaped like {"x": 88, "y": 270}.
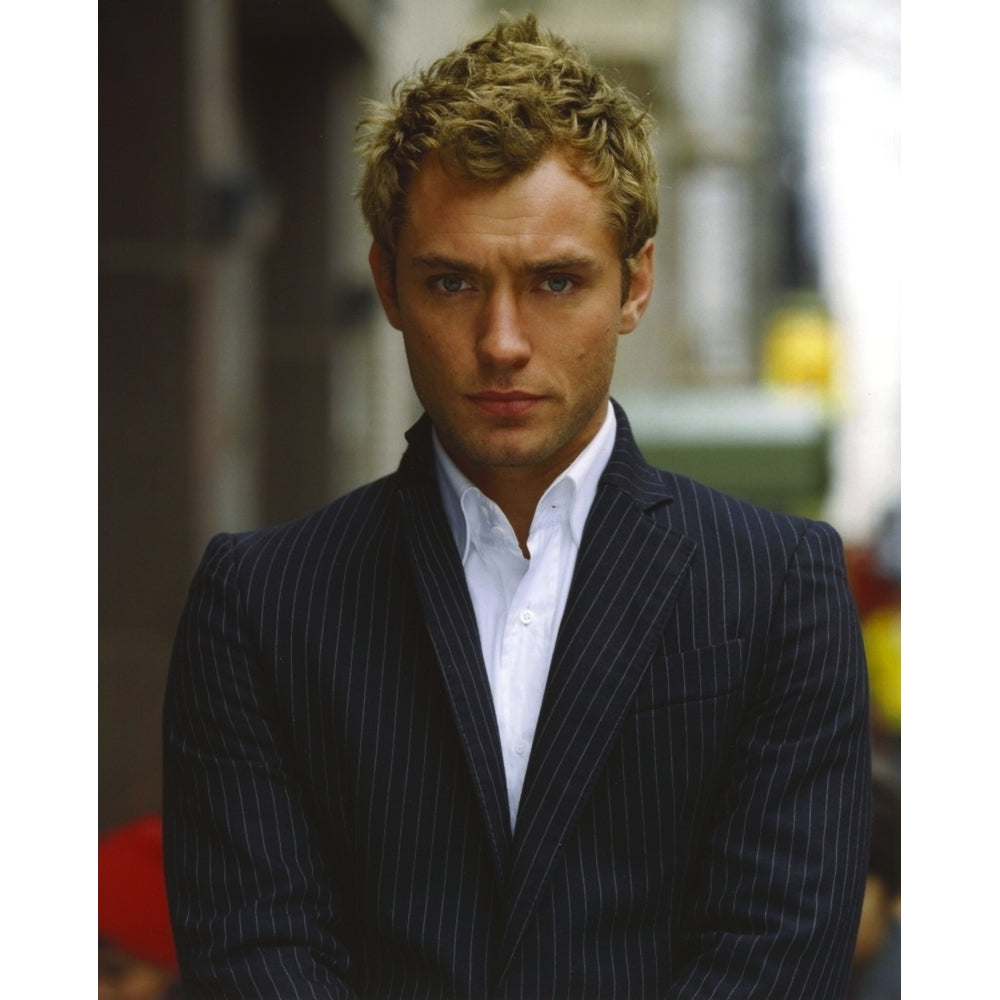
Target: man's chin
{"x": 502, "y": 449}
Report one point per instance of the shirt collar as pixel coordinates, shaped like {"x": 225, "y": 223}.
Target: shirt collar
{"x": 569, "y": 496}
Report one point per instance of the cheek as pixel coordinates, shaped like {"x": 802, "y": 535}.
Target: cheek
{"x": 422, "y": 344}
{"x": 435, "y": 363}
{"x": 599, "y": 348}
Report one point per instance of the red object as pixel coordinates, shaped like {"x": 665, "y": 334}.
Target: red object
{"x": 132, "y": 894}
{"x": 871, "y": 588}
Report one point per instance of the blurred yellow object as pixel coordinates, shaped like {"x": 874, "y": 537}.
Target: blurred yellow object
{"x": 883, "y": 647}
{"x": 800, "y": 350}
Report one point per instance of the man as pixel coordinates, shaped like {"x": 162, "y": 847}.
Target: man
{"x": 528, "y": 718}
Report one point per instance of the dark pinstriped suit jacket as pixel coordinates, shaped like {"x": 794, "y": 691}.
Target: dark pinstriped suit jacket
{"x": 694, "y": 821}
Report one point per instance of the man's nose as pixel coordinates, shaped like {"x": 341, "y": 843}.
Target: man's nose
{"x": 502, "y": 339}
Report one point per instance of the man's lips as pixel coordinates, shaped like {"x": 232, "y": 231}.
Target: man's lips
{"x": 504, "y": 404}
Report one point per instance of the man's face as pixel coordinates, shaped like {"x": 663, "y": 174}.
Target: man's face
{"x": 509, "y": 299}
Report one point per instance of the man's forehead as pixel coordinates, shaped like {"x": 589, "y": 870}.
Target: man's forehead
{"x": 550, "y": 207}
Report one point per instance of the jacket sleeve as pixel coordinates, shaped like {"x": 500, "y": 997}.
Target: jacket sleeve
{"x": 253, "y": 908}
{"x": 780, "y": 884}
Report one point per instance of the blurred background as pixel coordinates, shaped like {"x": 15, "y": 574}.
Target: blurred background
{"x": 246, "y": 374}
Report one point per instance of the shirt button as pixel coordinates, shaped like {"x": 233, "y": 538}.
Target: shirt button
{"x": 527, "y": 617}
{"x": 521, "y": 747}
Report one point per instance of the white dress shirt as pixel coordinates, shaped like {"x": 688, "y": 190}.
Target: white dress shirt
{"x": 519, "y": 602}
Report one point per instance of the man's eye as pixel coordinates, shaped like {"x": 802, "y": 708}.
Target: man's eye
{"x": 558, "y": 284}
{"x": 450, "y": 283}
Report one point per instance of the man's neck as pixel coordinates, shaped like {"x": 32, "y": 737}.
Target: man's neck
{"x": 517, "y": 490}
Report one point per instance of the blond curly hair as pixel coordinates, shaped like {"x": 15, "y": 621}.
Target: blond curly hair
{"x": 495, "y": 109}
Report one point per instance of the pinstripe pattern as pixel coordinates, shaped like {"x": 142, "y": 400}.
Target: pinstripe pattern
{"x": 694, "y": 821}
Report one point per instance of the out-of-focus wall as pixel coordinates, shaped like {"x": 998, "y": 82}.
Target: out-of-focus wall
{"x": 855, "y": 181}
{"x": 148, "y": 302}
{"x": 234, "y": 310}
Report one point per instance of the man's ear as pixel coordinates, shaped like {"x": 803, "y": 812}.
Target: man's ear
{"x": 384, "y": 275}
{"x": 640, "y": 288}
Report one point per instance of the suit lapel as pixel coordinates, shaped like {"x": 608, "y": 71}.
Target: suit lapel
{"x": 451, "y": 624}
{"x": 624, "y": 588}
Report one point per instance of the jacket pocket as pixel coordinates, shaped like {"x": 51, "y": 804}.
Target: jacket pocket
{"x": 694, "y": 675}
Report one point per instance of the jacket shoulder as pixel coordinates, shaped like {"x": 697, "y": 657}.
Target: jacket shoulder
{"x": 337, "y": 533}
{"x": 700, "y": 511}
{"x": 719, "y": 518}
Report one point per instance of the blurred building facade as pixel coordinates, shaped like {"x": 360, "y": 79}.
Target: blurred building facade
{"x": 246, "y": 372}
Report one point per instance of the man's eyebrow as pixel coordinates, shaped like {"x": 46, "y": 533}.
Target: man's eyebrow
{"x": 441, "y": 262}
{"x": 567, "y": 263}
